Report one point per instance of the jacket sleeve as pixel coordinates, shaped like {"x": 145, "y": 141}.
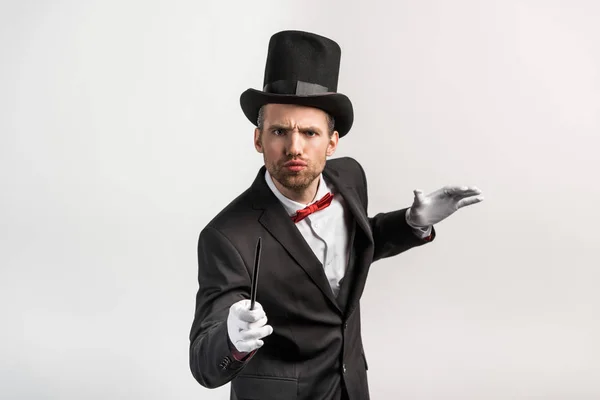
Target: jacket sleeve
{"x": 391, "y": 233}
{"x": 223, "y": 280}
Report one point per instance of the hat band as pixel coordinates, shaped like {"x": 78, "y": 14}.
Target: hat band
{"x": 299, "y": 88}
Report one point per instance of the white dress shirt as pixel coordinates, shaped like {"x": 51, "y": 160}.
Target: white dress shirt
{"x": 326, "y": 231}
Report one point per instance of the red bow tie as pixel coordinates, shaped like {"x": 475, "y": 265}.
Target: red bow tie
{"x": 319, "y": 205}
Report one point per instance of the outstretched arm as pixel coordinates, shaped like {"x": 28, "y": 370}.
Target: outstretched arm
{"x": 397, "y": 231}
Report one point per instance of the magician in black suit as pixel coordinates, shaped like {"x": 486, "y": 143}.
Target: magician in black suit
{"x": 303, "y": 339}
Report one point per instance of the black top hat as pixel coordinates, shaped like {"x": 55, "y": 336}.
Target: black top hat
{"x": 302, "y": 68}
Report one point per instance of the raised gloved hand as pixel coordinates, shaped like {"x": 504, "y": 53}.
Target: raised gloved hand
{"x": 430, "y": 209}
{"x": 247, "y": 327}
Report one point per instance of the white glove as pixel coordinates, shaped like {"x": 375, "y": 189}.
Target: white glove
{"x": 247, "y": 327}
{"x": 436, "y": 206}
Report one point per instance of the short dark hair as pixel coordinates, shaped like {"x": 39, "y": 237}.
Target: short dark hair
{"x": 261, "y": 119}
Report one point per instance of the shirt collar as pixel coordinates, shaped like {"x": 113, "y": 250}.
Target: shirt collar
{"x": 292, "y": 206}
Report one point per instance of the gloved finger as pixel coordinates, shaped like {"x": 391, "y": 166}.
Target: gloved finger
{"x": 247, "y": 346}
{"x": 468, "y": 201}
{"x": 251, "y": 315}
{"x": 245, "y": 305}
{"x": 462, "y": 190}
{"x": 460, "y": 196}
{"x": 260, "y": 323}
{"x": 243, "y": 311}
{"x": 419, "y": 197}
{"x": 237, "y": 308}
{"x": 257, "y": 333}
{"x": 246, "y": 319}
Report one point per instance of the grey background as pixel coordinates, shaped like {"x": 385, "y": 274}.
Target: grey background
{"x": 121, "y": 136}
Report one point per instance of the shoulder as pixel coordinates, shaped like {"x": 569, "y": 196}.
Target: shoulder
{"x": 345, "y": 166}
{"x": 238, "y": 213}
{"x": 349, "y": 170}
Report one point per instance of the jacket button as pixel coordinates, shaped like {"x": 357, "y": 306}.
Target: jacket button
{"x": 225, "y": 363}
{"x": 344, "y": 368}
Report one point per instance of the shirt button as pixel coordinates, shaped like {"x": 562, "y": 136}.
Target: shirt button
{"x": 345, "y": 325}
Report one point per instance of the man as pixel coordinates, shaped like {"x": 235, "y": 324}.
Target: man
{"x": 302, "y": 340}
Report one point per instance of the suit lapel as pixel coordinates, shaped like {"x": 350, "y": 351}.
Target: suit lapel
{"x": 356, "y": 272}
{"x": 352, "y": 200}
{"x": 346, "y": 282}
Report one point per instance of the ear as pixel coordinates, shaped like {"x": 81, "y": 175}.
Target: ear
{"x": 333, "y": 142}
{"x": 257, "y": 144}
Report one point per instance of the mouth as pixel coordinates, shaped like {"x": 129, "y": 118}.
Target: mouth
{"x": 295, "y": 165}
{"x": 295, "y": 168}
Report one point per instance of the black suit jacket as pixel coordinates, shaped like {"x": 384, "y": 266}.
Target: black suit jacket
{"x": 315, "y": 350}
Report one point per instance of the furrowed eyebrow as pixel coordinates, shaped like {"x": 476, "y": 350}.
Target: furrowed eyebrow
{"x": 280, "y": 127}
{"x": 287, "y": 128}
{"x": 310, "y": 128}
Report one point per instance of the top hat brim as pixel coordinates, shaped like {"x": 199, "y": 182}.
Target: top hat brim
{"x": 337, "y": 105}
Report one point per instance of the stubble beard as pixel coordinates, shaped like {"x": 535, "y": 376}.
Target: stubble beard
{"x": 296, "y": 181}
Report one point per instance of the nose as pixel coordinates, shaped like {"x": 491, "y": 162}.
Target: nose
{"x": 294, "y": 143}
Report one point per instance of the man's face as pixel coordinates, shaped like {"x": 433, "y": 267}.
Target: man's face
{"x": 295, "y": 144}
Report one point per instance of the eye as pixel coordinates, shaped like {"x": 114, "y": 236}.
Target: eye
{"x": 278, "y": 131}
{"x": 311, "y": 133}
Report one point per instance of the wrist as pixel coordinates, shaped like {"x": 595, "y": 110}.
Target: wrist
{"x": 412, "y": 224}
{"x": 237, "y": 355}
